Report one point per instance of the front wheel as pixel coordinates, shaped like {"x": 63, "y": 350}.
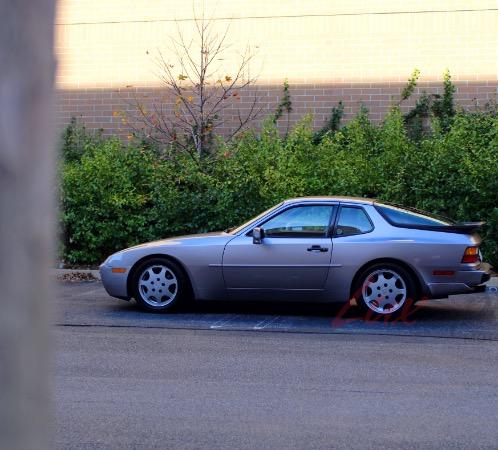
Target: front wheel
{"x": 158, "y": 285}
{"x": 386, "y": 290}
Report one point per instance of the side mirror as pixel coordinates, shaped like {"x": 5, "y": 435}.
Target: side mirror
{"x": 257, "y": 235}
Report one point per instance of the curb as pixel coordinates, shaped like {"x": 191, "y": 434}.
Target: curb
{"x": 493, "y": 282}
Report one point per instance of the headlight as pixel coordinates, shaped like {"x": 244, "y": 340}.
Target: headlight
{"x": 114, "y": 258}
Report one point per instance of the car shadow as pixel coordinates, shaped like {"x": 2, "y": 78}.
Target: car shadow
{"x": 270, "y": 308}
{"x": 436, "y": 311}
{"x": 424, "y": 311}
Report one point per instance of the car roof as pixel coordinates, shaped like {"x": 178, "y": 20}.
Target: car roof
{"x": 326, "y": 198}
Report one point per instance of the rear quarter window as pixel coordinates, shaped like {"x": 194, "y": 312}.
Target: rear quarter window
{"x": 352, "y": 220}
{"x": 401, "y": 216}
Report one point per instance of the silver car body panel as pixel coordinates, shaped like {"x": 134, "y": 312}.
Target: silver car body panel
{"x": 200, "y": 255}
{"x": 278, "y": 265}
{"x": 229, "y": 266}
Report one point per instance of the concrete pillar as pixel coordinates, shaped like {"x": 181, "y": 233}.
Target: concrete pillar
{"x": 26, "y": 219}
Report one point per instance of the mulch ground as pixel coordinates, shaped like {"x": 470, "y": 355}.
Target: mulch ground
{"x": 76, "y": 277}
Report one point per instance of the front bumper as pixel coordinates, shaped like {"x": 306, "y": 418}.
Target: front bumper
{"x": 469, "y": 282}
{"x": 116, "y": 284}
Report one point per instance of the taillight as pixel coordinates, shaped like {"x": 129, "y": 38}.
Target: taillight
{"x": 471, "y": 255}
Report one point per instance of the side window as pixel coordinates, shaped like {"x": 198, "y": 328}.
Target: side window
{"x": 301, "y": 221}
{"x": 352, "y": 221}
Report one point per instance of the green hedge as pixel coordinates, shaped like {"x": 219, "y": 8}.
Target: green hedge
{"x": 115, "y": 195}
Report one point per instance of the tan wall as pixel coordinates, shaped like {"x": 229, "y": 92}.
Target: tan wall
{"x": 356, "y": 50}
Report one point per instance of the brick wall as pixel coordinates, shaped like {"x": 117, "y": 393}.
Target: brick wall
{"x": 358, "y": 51}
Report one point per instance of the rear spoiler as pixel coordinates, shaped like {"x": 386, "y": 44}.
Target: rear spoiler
{"x": 464, "y": 227}
{"x": 460, "y": 228}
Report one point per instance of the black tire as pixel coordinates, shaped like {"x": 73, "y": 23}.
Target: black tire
{"x": 370, "y": 307}
{"x": 142, "y": 276}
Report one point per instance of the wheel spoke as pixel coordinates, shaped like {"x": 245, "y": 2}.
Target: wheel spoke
{"x": 169, "y": 283}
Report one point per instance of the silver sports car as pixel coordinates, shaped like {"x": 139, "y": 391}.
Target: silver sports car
{"x": 323, "y": 249}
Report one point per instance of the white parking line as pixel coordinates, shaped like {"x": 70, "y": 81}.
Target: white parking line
{"x": 82, "y": 294}
{"x": 265, "y": 323}
{"x": 222, "y": 322}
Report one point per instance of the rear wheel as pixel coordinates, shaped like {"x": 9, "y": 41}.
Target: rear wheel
{"x": 159, "y": 285}
{"x": 386, "y": 290}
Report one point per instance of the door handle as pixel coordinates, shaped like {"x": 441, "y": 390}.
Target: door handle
{"x": 317, "y": 248}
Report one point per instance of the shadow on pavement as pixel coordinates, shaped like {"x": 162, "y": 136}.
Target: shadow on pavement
{"x": 432, "y": 310}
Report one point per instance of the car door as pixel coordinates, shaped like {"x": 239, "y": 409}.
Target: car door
{"x": 293, "y": 257}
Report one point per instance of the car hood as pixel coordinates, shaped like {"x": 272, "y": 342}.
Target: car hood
{"x": 191, "y": 239}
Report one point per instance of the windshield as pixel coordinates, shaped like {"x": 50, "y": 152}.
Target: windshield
{"x": 405, "y": 216}
{"x": 246, "y": 224}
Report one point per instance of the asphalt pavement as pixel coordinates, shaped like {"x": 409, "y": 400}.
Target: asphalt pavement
{"x": 273, "y": 375}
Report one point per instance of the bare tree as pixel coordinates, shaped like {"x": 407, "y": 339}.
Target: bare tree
{"x": 202, "y": 92}
{"x": 26, "y": 161}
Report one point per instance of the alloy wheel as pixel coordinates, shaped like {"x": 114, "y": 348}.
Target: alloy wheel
{"x": 384, "y": 291}
{"x": 158, "y": 285}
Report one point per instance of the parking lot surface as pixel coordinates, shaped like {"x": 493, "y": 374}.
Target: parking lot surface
{"x": 465, "y": 316}
{"x": 273, "y": 375}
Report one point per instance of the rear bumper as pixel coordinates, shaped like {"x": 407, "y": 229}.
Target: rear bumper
{"x": 470, "y": 282}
